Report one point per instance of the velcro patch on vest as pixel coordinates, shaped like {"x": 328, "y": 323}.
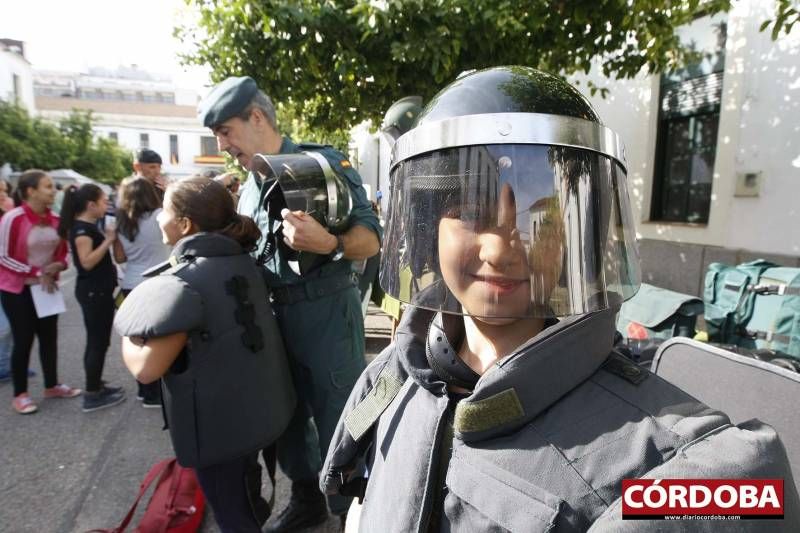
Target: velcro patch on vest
{"x": 367, "y": 411}
{"x": 620, "y": 366}
{"x": 488, "y": 413}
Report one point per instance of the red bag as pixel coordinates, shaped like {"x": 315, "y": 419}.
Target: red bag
{"x": 176, "y": 505}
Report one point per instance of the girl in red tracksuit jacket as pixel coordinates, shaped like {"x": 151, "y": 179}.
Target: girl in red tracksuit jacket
{"x": 32, "y": 253}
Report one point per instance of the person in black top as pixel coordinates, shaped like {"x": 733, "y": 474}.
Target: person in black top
{"x": 97, "y": 277}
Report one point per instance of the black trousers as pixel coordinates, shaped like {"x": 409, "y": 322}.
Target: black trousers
{"x": 233, "y": 490}
{"x": 98, "y": 317}
{"x": 24, "y": 326}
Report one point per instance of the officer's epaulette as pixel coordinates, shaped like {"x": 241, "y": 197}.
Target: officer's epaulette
{"x": 313, "y": 146}
{"x": 621, "y": 366}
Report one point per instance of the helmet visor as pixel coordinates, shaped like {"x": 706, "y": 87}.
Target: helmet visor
{"x": 510, "y": 231}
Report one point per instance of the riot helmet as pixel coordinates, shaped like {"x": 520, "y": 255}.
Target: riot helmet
{"x": 401, "y": 115}
{"x": 305, "y": 182}
{"x": 509, "y": 200}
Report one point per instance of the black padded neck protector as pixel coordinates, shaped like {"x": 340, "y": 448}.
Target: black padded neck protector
{"x": 445, "y": 335}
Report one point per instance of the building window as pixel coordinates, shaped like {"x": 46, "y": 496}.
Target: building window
{"x": 17, "y": 88}
{"x": 173, "y": 149}
{"x": 688, "y": 126}
{"x": 208, "y": 146}
{"x": 113, "y": 136}
{"x": 144, "y": 141}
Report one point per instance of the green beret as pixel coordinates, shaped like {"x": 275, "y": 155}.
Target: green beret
{"x": 227, "y": 99}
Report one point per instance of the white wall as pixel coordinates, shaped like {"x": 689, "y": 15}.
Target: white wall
{"x": 11, "y": 64}
{"x": 759, "y": 130}
{"x": 766, "y": 133}
{"x": 368, "y": 152}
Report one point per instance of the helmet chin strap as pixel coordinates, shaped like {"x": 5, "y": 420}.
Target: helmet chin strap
{"x": 445, "y": 335}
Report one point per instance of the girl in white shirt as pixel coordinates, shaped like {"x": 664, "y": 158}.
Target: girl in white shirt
{"x": 139, "y": 245}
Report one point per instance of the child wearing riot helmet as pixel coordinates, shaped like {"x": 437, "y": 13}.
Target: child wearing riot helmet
{"x": 81, "y": 209}
{"x": 501, "y": 404}
{"x": 213, "y": 340}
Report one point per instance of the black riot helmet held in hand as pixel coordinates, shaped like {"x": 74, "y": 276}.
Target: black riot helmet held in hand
{"x": 509, "y": 199}
{"x": 304, "y": 182}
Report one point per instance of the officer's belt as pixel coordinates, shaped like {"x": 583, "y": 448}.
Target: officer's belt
{"x": 313, "y": 289}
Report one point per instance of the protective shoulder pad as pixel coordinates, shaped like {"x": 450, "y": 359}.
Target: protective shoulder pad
{"x": 159, "y": 306}
{"x": 751, "y": 450}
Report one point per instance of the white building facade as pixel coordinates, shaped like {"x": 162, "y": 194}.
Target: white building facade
{"x": 16, "y": 75}
{"x": 714, "y": 151}
{"x": 136, "y": 109}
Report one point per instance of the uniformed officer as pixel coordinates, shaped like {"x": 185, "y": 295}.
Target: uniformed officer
{"x": 501, "y": 405}
{"x": 319, "y": 311}
{"x": 147, "y": 164}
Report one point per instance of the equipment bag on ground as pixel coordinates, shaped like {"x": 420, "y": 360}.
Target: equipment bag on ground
{"x": 655, "y": 315}
{"x": 176, "y": 505}
{"x": 754, "y": 305}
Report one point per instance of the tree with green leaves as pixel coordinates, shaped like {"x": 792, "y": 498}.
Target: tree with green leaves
{"x": 27, "y": 142}
{"x": 336, "y": 63}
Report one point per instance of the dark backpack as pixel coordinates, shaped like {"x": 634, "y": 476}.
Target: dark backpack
{"x": 176, "y": 505}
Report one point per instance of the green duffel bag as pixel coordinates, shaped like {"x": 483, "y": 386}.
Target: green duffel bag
{"x": 774, "y": 323}
{"x": 656, "y": 315}
{"x": 729, "y": 300}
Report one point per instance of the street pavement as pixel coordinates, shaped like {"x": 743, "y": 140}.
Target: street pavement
{"x": 68, "y": 471}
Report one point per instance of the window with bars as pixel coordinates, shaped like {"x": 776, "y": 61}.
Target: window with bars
{"x": 173, "y": 149}
{"x": 144, "y": 141}
{"x": 208, "y": 146}
{"x": 688, "y": 127}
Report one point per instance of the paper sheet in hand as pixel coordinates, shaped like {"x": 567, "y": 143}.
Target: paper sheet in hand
{"x": 46, "y": 303}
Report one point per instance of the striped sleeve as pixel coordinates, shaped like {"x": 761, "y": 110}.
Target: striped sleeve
{"x": 9, "y": 232}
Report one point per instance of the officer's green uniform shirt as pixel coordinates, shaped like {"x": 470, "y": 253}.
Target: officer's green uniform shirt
{"x": 278, "y": 272}
{"x": 324, "y": 336}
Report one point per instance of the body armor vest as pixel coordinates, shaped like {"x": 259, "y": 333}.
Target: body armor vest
{"x": 542, "y": 442}
{"x": 230, "y": 390}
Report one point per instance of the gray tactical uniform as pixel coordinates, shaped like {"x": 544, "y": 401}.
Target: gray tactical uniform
{"x": 541, "y": 444}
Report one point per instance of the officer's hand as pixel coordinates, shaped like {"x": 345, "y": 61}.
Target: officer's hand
{"x": 161, "y": 182}
{"x": 303, "y": 233}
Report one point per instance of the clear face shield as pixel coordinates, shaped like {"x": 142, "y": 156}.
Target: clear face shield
{"x": 510, "y": 231}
